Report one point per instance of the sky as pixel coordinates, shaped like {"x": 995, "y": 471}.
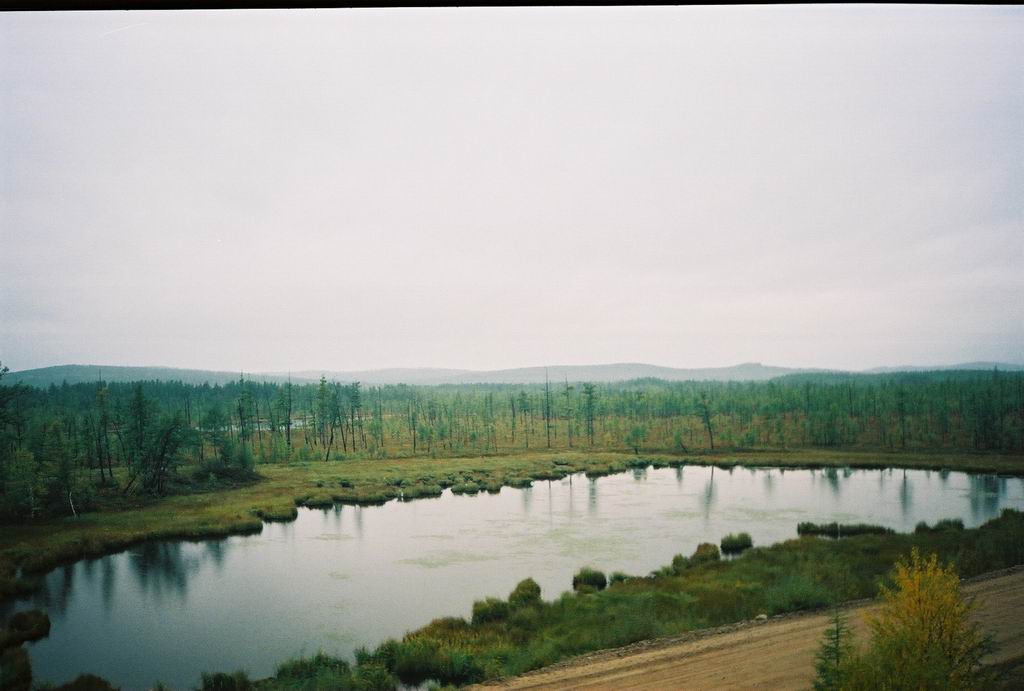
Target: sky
{"x": 816, "y": 186}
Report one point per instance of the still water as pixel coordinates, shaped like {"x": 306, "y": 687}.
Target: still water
{"x": 339, "y": 578}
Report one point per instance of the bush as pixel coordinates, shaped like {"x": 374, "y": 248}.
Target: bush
{"x": 524, "y": 622}
{"x": 220, "y": 681}
{"x": 838, "y": 530}
{"x": 921, "y": 638}
{"x": 30, "y": 625}
{"x": 309, "y": 667}
{"x": 88, "y": 682}
{"x": 373, "y": 677}
{"x": 943, "y": 525}
{"x": 489, "y": 610}
{"x": 589, "y": 577}
{"x": 705, "y": 553}
{"x": 15, "y": 670}
{"x": 734, "y": 544}
{"x": 679, "y": 564}
{"x": 617, "y": 577}
{"x": 526, "y": 594}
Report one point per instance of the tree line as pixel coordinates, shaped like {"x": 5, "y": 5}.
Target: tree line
{"x": 62, "y": 445}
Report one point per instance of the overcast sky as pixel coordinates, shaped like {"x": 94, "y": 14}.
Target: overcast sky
{"x": 480, "y": 188}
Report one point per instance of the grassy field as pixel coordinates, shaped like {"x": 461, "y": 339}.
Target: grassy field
{"x": 39, "y": 546}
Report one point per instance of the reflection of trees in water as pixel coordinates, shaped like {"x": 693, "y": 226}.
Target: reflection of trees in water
{"x": 53, "y": 594}
{"x": 679, "y": 475}
{"x": 985, "y": 493}
{"x": 639, "y": 474}
{"x": 832, "y": 477}
{"x": 526, "y": 494}
{"x": 592, "y": 496}
{"x": 108, "y": 577}
{"x": 944, "y": 476}
{"x": 708, "y": 498}
{"x": 571, "y": 501}
{"x": 906, "y": 495}
{"x": 215, "y": 550}
{"x": 769, "y": 483}
{"x": 163, "y": 567}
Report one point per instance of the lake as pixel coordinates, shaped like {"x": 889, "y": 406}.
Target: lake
{"x": 339, "y": 578}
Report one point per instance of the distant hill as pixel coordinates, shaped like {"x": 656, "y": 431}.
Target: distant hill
{"x": 1001, "y": 366}
{"x": 625, "y": 371}
{"x": 750, "y": 371}
{"x": 77, "y": 374}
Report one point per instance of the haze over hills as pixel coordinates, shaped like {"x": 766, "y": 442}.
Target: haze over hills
{"x": 616, "y": 372}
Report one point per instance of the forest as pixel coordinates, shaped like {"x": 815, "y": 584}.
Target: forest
{"x": 63, "y": 445}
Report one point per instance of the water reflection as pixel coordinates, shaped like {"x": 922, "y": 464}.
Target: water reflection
{"x": 832, "y": 476}
{"x": 906, "y": 497}
{"x": 395, "y": 567}
{"x": 986, "y": 493}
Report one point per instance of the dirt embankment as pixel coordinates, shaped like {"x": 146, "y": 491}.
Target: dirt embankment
{"x": 773, "y": 654}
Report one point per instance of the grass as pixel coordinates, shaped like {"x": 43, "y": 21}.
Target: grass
{"x": 218, "y": 511}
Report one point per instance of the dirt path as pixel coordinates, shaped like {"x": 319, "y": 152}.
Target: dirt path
{"x": 774, "y": 654}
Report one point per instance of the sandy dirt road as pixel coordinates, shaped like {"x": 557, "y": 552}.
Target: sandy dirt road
{"x": 774, "y": 654}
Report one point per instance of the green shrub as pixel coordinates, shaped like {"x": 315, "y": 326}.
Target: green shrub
{"x": 525, "y": 594}
{"x": 524, "y": 622}
{"x": 221, "y": 681}
{"x": 309, "y": 667}
{"x": 943, "y": 525}
{"x": 373, "y": 677}
{"x": 617, "y": 577}
{"x": 837, "y": 530}
{"x": 15, "y": 670}
{"x": 87, "y": 682}
{"x": 705, "y": 553}
{"x": 30, "y": 625}
{"x": 465, "y": 488}
{"x": 489, "y": 610}
{"x": 589, "y": 577}
{"x": 679, "y": 564}
{"x": 734, "y": 544}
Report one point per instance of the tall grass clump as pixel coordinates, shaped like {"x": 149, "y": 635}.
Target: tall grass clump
{"x": 222, "y": 681}
{"x": 838, "y": 530}
{"x": 589, "y": 578}
{"x": 944, "y": 524}
{"x": 525, "y": 594}
{"x": 488, "y": 610}
{"x": 736, "y": 543}
{"x": 705, "y": 553}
